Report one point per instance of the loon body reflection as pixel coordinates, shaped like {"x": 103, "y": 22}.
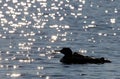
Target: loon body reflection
{"x": 75, "y": 58}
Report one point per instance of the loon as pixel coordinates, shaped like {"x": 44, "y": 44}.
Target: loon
{"x": 75, "y": 58}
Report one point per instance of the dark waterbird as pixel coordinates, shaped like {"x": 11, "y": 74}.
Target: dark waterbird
{"x": 75, "y": 58}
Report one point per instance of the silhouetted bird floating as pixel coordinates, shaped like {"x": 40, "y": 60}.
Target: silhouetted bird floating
{"x": 75, "y": 58}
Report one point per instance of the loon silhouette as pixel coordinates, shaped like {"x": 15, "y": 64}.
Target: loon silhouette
{"x": 75, "y": 58}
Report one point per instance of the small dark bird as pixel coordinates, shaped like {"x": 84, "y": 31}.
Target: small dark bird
{"x": 75, "y": 58}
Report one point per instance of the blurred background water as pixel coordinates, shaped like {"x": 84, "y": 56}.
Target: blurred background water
{"x": 30, "y": 31}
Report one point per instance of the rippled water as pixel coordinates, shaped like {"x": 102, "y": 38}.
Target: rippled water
{"x": 30, "y": 31}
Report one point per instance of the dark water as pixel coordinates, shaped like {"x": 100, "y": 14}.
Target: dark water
{"x": 30, "y": 31}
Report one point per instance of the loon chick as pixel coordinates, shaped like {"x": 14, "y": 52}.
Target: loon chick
{"x": 75, "y": 58}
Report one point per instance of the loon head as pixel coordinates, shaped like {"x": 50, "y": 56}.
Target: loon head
{"x": 66, "y": 51}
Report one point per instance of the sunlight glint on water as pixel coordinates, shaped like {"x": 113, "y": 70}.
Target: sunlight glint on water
{"x": 31, "y": 31}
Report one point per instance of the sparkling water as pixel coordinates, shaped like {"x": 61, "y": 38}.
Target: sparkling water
{"x": 30, "y": 31}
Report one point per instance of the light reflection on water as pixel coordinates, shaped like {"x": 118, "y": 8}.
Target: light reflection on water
{"x": 31, "y": 30}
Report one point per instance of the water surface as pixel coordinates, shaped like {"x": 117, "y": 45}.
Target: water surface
{"x": 31, "y": 30}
